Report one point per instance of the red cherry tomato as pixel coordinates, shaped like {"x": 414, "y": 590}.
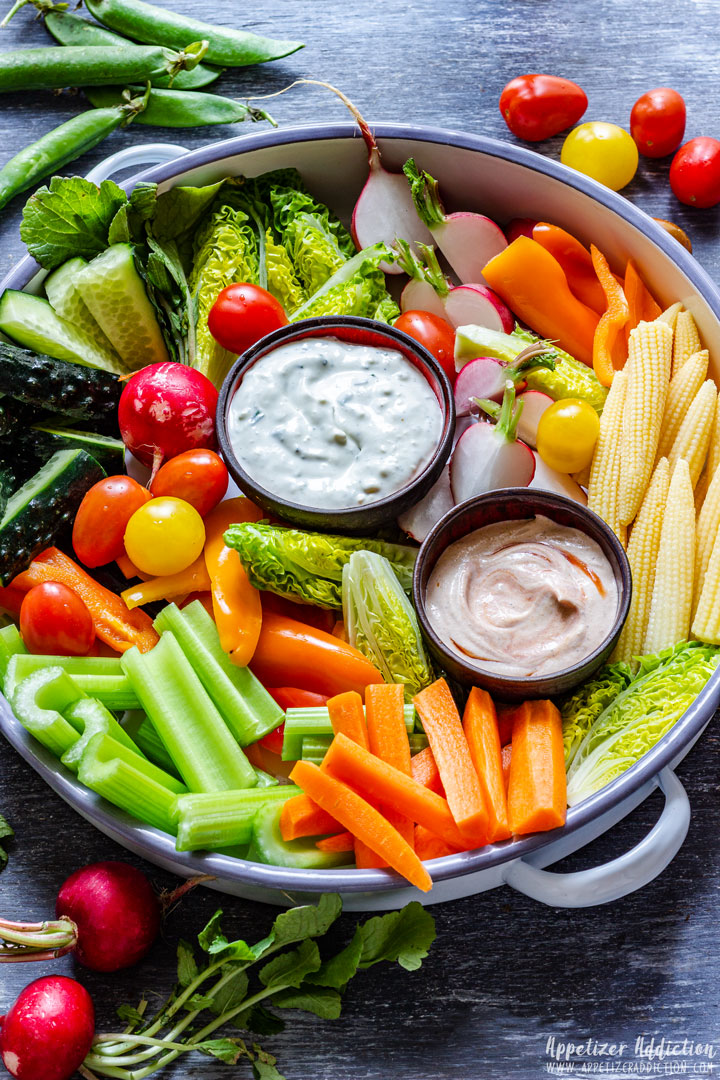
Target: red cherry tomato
{"x": 435, "y": 334}
{"x": 695, "y": 172}
{"x": 520, "y": 226}
{"x": 657, "y": 122}
{"x": 197, "y": 476}
{"x": 242, "y": 314}
{"x": 101, "y": 520}
{"x": 54, "y": 621}
{"x": 535, "y": 107}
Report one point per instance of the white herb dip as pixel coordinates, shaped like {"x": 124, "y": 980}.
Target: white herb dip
{"x": 333, "y": 425}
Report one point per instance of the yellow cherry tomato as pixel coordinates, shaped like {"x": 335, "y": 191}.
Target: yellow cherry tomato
{"x": 567, "y": 434}
{"x": 603, "y": 151}
{"x": 164, "y": 536}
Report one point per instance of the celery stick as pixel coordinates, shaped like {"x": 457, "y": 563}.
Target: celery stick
{"x": 195, "y": 735}
{"x": 100, "y": 677}
{"x": 142, "y": 732}
{"x": 243, "y": 702}
{"x": 222, "y": 819}
{"x": 11, "y": 644}
{"x": 315, "y": 723}
{"x": 90, "y": 717}
{"x": 315, "y": 747}
{"x": 264, "y": 779}
{"x": 128, "y": 781}
{"x": 39, "y": 701}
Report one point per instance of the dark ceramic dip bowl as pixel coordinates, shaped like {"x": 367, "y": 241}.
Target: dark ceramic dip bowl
{"x": 515, "y": 504}
{"x": 372, "y": 515}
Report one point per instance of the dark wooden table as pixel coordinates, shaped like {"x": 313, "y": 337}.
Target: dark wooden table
{"x": 506, "y": 973}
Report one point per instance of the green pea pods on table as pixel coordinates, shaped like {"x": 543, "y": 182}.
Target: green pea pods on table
{"x": 69, "y": 29}
{"x": 63, "y": 144}
{"x": 178, "y": 109}
{"x": 51, "y": 68}
{"x": 158, "y": 26}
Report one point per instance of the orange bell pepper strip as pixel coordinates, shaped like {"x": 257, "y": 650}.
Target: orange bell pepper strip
{"x": 194, "y": 578}
{"x": 642, "y": 306}
{"x": 533, "y": 284}
{"x": 236, "y": 603}
{"x": 609, "y": 344}
{"x": 11, "y": 599}
{"x": 576, "y": 262}
{"x": 295, "y": 654}
{"x": 114, "y": 623}
{"x": 537, "y": 792}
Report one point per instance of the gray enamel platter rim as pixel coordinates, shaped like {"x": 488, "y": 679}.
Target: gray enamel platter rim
{"x": 475, "y": 173}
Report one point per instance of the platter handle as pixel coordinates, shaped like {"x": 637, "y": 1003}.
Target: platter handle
{"x": 145, "y": 154}
{"x": 615, "y": 879}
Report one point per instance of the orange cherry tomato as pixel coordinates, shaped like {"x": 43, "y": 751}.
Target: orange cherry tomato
{"x": 199, "y": 477}
{"x": 435, "y": 334}
{"x": 102, "y": 517}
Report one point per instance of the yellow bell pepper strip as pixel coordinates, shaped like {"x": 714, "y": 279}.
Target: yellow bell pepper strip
{"x": 609, "y": 344}
{"x": 576, "y": 262}
{"x": 533, "y": 284}
{"x": 129, "y": 570}
{"x": 114, "y": 623}
{"x": 642, "y": 306}
{"x": 236, "y": 603}
{"x": 194, "y": 578}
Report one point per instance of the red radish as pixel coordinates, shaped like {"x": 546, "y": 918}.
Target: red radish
{"x": 166, "y": 409}
{"x": 519, "y": 226}
{"x": 468, "y": 241}
{"x": 534, "y": 405}
{"x": 480, "y": 306}
{"x": 486, "y": 376}
{"x": 547, "y": 479}
{"x": 116, "y": 912}
{"x": 489, "y": 456}
{"x": 419, "y": 295}
{"x": 420, "y": 519}
{"x": 428, "y": 287}
{"x": 48, "y": 1031}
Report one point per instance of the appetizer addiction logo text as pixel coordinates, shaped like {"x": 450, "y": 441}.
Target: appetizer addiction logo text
{"x": 646, "y": 1056}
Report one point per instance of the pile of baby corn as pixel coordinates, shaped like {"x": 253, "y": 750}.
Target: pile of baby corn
{"x": 655, "y": 480}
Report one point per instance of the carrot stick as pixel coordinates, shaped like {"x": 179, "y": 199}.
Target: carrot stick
{"x": 506, "y": 759}
{"x": 505, "y": 717}
{"x": 376, "y": 779}
{"x": 384, "y": 703}
{"x": 481, "y": 731}
{"x": 441, "y": 721}
{"x": 300, "y": 816}
{"x": 430, "y": 846}
{"x": 360, "y": 818}
{"x": 537, "y": 797}
{"x": 347, "y": 715}
{"x": 342, "y": 841}
{"x": 425, "y": 771}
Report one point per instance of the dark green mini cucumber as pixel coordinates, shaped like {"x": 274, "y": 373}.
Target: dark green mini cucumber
{"x": 76, "y": 391}
{"x": 46, "y": 439}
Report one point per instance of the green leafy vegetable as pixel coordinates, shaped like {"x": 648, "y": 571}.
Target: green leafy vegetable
{"x": 381, "y": 622}
{"x": 6, "y": 833}
{"x": 580, "y": 710}
{"x": 282, "y": 281}
{"x": 664, "y": 687}
{"x": 308, "y": 566}
{"x": 69, "y": 217}
{"x": 356, "y": 288}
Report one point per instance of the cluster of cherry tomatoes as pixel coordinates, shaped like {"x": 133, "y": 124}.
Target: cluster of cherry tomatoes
{"x": 536, "y": 107}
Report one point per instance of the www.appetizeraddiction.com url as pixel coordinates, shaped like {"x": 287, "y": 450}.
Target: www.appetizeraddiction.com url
{"x": 631, "y": 1068}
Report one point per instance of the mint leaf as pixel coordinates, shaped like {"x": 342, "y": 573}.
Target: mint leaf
{"x": 6, "y": 833}
{"x": 228, "y": 1050}
{"x": 231, "y": 994}
{"x": 290, "y": 968}
{"x": 320, "y": 1000}
{"x": 260, "y": 1020}
{"x": 404, "y": 936}
{"x": 339, "y": 969}
{"x": 299, "y": 923}
{"x": 187, "y": 969}
{"x": 69, "y": 217}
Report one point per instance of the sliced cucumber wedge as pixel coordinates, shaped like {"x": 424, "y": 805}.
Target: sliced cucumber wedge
{"x": 62, "y": 292}
{"x": 115, "y": 294}
{"x": 30, "y": 321}
{"x": 269, "y": 847}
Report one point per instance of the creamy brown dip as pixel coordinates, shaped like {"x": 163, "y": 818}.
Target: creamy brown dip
{"x": 523, "y": 597}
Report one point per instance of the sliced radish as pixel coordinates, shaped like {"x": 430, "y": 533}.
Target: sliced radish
{"x": 479, "y": 305}
{"x": 419, "y": 295}
{"x": 418, "y": 521}
{"x": 547, "y": 479}
{"x": 468, "y": 241}
{"x": 488, "y": 456}
{"x": 487, "y": 376}
{"x": 534, "y": 405}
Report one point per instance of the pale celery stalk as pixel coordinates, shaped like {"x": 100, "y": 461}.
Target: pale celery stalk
{"x": 315, "y": 723}
{"x": 100, "y": 677}
{"x": 11, "y": 644}
{"x": 90, "y": 717}
{"x": 241, "y": 699}
{"x": 39, "y": 702}
{"x": 142, "y": 732}
{"x": 223, "y": 819}
{"x": 194, "y": 733}
{"x": 314, "y": 748}
{"x": 135, "y": 785}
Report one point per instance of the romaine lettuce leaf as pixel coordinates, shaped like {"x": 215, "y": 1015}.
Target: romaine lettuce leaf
{"x": 356, "y": 288}
{"x": 317, "y": 242}
{"x": 308, "y": 567}
{"x": 665, "y": 686}
{"x": 580, "y": 710}
{"x": 282, "y": 281}
{"x": 381, "y": 622}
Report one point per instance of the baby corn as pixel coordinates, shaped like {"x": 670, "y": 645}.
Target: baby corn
{"x": 684, "y": 385}
{"x": 687, "y": 340}
{"x": 605, "y": 468}
{"x": 708, "y": 526}
{"x": 712, "y": 462}
{"x": 642, "y": 553}
{"x": 672, "y": 595}
{"x": 706, "y": 624}
{"x": 670, "y": 314}
{"x": 693, "y": 438}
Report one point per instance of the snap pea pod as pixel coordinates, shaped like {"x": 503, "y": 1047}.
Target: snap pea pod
{"x": 52, "y": 69}
{"x": 69, "y": 29}
{"x": 63, "y": 144}
{"x": 178, "y": 109}
{"x": 158, "y": 26}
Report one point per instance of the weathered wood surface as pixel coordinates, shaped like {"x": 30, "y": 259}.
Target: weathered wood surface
{"x": 505, "y": 973}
